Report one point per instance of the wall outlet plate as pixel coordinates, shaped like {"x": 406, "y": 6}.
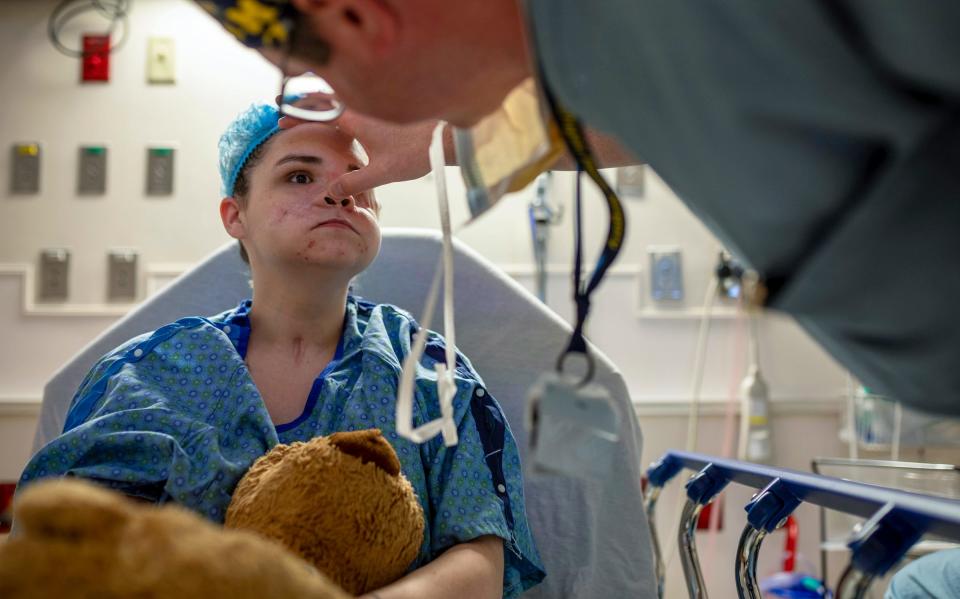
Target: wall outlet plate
{"x": 25, "y": 174}
{"x": 122, "y": 275}
{"x": 92, "y": 171}
{"x": 666, "y": 274}
{"x": 632, "y": 181}
{"x": 160, "y": 171}
{"x": 161, "y": 67}
{"x": 54, "y": 274}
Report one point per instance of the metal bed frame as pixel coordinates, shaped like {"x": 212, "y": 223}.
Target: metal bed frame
{"x": 923, "y": 547}
{"x": 895, "y": 520}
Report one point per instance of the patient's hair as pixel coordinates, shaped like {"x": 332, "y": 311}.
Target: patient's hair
{"x": 241, "y": 188}
{"x": 242, "y": 185}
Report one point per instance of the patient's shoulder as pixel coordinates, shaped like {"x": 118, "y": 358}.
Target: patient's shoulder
{"x": 192, "y": 325}
{"x": 366, "y": 309}
{"x": 375, "y": 318}
{"x": 173, "y": 347}
{"x": 146, "y": 341}
{"x": 401, "y": 327}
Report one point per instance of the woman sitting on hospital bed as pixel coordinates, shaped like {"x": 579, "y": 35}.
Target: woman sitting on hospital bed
{"x": 179, "y": 414}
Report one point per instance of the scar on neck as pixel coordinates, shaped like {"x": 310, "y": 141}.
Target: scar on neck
{"x": 299, "y": 349}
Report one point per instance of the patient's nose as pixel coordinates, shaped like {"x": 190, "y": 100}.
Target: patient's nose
{"x": 345, "y": 202}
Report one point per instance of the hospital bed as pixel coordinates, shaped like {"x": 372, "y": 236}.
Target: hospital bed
{"x": 941, "y": 480}
{"x": 592, "y": 536}
{"x": 896, "y": 520}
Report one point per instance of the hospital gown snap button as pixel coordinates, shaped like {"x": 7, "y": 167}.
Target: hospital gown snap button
{"x": 481, "y": 392}
{"x": 501, "y": 488}
{"x": 226, "y": 329}
{"x": 137, "y": 353}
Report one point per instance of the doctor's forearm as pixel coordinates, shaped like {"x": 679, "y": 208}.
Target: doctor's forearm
{"x": 471, "y": 570}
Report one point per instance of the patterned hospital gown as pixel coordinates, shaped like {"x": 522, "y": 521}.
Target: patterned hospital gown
{"x": 174, "y": 415}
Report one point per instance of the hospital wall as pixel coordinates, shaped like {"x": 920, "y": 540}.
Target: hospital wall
{"x": 43, "y": 101}
{"x": 652, "y": 343}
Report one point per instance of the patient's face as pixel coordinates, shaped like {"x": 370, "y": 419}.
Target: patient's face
{"x": 290, "y": 218}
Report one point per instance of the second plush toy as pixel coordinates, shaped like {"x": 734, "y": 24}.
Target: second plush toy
{"x": 340, "y": 503}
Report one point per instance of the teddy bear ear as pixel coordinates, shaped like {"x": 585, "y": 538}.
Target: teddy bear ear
{"x": 370, "y": 446}
{"x": 70, "y": 508}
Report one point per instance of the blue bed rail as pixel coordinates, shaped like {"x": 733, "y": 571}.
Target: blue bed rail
{"x": 895, "y": 519}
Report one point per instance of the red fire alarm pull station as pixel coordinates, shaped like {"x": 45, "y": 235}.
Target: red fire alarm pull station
{"x": 96, "y": 58}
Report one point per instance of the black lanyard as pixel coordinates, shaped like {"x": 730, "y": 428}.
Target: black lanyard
{"x": 573, "y": 136}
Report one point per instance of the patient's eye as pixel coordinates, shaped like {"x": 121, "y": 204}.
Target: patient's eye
{"x": 300, "y": 178}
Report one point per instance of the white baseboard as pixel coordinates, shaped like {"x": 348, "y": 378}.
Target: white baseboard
{"x": 19, "y": 406}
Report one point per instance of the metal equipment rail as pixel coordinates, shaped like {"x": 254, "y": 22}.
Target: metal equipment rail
{"x": 895, "y": 519}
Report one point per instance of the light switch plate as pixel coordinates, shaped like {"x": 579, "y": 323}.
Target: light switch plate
{"x": 666, "y": 274}
{"x": 92, "y": 172}
{"x": 161, "y": 66}
{"x": 25, "y": 174}
{"x": 122, "y": 276}
{"x": 160, "y": 171}
{"x": 631, "y": 181}
{"x": 54, "y": 274}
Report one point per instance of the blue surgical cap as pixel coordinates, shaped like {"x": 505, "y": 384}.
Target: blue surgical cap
{"x": 245, "y": 134}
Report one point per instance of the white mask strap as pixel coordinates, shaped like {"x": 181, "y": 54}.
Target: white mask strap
{"x": 446, "y": 386}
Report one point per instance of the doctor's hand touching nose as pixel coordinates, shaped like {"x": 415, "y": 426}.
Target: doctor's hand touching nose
{"x": 395, "y": 152}
{"x": 401, "y": 152}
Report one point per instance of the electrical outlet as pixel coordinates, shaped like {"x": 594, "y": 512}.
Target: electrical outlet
{"x": 160, "y": 171}
{"x": 631, "y": 181}
{"x": 666, "y": 274}
{"x": 160, "y": 60}
{"x": 92, "y": 172}
{"x": 25, "y": 177}
{"x": 122, "y": 275}
{"x": 96, "y": 58}
{"x": 54, "y": 274}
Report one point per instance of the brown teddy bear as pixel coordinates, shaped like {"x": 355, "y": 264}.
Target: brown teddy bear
{"x": 339, "y": 502}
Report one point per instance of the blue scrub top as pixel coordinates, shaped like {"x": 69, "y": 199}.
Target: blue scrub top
{"x": 174, "y": 416}
{"x": 933, "y": 576}
{"x": 818, "y": 140}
